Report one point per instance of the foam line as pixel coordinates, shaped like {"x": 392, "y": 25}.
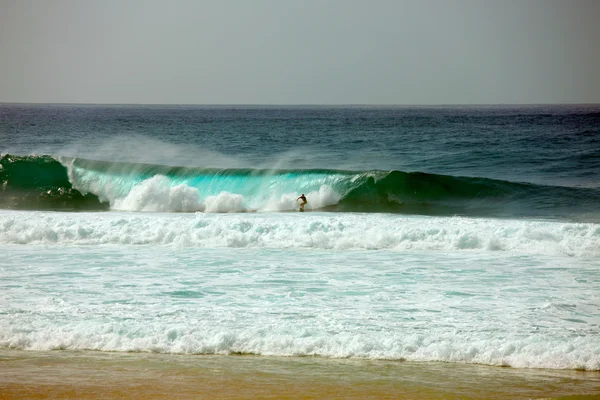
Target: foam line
{"x": 308, "y": 230}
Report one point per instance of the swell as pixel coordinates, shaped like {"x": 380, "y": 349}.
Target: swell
{"x": 45, "y": 182}
{"x": 432, "y": 194}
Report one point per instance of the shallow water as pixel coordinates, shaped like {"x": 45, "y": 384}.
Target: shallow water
{"x": 114, "y": 284}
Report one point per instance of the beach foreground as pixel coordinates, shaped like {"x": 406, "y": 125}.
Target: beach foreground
{"x": 62, "y": 374}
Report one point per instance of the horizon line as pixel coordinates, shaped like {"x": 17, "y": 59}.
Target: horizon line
{"x": 304, "y": 104}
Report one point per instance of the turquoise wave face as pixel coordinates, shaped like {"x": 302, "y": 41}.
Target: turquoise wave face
{"x": 113, "y": 182}
{"x": 70, "y": 183}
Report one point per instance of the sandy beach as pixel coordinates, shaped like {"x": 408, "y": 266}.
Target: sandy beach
{"x": 62, "y": 374}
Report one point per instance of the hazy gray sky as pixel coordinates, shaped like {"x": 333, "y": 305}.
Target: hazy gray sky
{"x": 300, "y": 52}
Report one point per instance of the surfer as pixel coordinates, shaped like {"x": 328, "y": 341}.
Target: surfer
{"x": 303, "y": 198}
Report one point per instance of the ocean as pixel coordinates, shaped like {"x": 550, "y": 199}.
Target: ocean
{"x": 462, "y": 235}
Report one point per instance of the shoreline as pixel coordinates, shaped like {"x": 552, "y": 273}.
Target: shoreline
{"x": 90, "y": 374}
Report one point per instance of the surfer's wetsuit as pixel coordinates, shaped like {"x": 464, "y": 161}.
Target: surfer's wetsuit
{"x": 303, "y": 198}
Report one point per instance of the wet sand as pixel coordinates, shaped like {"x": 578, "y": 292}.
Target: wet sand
{"x": 99, "y": 375}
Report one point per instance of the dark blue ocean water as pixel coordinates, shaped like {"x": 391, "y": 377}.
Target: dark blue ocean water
{"x": 555, "y": 150}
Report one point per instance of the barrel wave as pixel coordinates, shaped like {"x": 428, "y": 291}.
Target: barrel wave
{"x": 61, "y": 183}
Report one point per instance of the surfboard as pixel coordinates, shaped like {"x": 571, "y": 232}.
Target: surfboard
{"x": 301, "y": 209}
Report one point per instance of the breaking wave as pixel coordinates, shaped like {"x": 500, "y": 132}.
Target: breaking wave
{"x": 52, "y": 183}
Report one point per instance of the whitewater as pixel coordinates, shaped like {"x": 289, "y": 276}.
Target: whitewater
{"x": 418, "y": 243}
{"x": 313, "y": 231}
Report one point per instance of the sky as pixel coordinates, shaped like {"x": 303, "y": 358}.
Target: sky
{"x": 402, "y": 52}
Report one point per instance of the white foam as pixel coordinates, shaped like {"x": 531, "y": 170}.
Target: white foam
{"x": 224, "y": 202}
{"x": 440, "y": 292}
{"x": 293, "y": 230}
{"x": 528, "y": 352}
{"x": 157, "y": 194}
